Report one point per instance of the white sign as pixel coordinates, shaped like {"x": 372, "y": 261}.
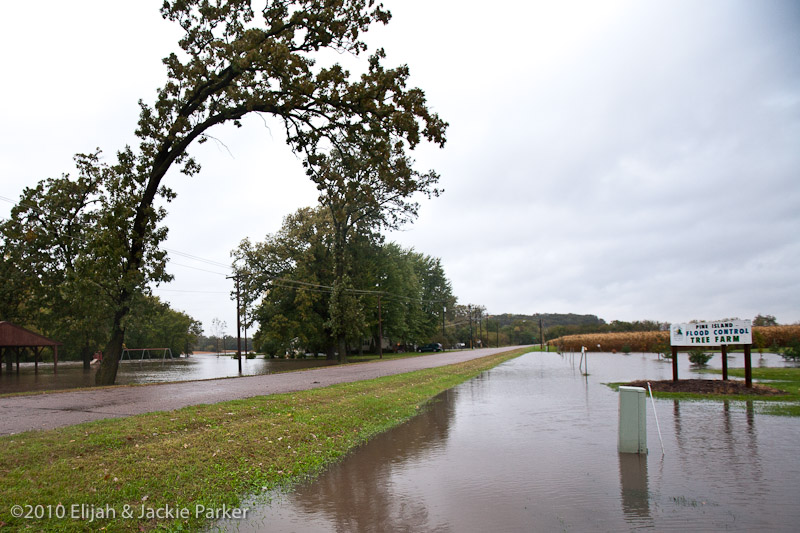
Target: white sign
{"x": 711, "y": 333}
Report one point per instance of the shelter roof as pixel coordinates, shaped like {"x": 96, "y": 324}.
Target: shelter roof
{"x": 13, "y": 335}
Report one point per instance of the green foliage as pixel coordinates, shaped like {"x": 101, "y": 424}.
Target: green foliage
{"x": 153, "y": 324}
{"x": 792, "y": 352}
{"x": 234, "y": 61}
{"x": 663, "y": 350}
{"x": 759, "y": 341}
{"x": 282, "y": 276}
{"x": 699, "y": 357}
{"x": 562, "y": 325}
{"x": 291, "y": 274}
{"x": 523, "y": 332}
{"x": 366, "y": 183}
{"x": 765, "y": 320}
{"x": 472, "y": 327}
{"x": 60, "y": 255}
{"x": 345, "y": 313}
{"x": 45, "y": 271}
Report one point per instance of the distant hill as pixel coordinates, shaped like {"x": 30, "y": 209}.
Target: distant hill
{"x": 550, "y": 320}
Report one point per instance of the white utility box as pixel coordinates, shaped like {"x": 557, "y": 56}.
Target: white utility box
{"x": 632, "y": 420}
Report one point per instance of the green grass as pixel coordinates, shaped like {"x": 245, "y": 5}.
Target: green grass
{"x": 784, "y": 379}
{"x": 210, "y": 455}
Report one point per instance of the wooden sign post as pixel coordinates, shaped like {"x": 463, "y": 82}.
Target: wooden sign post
{"x": 722, "y": 333}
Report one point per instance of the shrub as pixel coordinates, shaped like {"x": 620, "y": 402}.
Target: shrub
{"x": 792, "y": 351}
{"x": 698, "y": 357}
{"x": 663, "y": 350}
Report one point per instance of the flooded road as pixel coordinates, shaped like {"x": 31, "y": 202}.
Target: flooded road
{"x": 200, "y": 366}
{"x": 531, "y": 446}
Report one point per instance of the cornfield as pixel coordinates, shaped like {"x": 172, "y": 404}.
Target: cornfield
{"x": 634, "y": 341}
{"x": 780, "y": 336}
{"x": 651, "y": 341}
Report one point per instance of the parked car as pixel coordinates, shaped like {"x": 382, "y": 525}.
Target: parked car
{"x": 432, "y": 347}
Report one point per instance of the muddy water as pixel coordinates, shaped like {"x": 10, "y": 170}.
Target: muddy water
{"x": 71, "y": 375}
{"x": 531, "y": 446}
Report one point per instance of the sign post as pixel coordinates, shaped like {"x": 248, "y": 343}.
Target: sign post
{"x": 674, "y": 363}
{"x": 722, "y": 333}
{"x": 748, "y": 368}
{"x": 724, "y": 348}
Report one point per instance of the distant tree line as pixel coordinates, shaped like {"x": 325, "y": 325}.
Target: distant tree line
{"x": 615, "y": 326}
{"x": 221, "y": 343}
{"x": 514, "y": 329}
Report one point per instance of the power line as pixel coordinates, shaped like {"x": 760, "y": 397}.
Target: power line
{"x": 194, "y": 292}
{"x": 198, "y": 258}
{"x": 328, "y": 288}
{"x": 286, "y": 283}
{"x": 36, "y": 208}
{"x": 197, "y": 268}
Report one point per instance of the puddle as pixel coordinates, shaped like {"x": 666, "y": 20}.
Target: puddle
{"x": 531, "y": 446}
{"x": 72, "y": 374}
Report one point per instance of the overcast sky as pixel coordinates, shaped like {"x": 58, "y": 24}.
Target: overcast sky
{"x": 630, "y": 159}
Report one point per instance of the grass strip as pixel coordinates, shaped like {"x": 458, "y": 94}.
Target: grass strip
{"x": 786, "y": 379}
{"x": 202, "y": 457}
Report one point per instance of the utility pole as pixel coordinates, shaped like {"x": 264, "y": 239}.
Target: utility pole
{"x": 541, "y": 335}
{"x": 380, "y": 330}
{"x": 444, "y": 310}
{"x": 469, "y": 310}
{"x": 238, "y": 323}
{"x": 480, "y": 326}
{"x": 246, "y": 351}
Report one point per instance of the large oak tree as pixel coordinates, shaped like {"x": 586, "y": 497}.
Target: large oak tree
{"x": 234, "y": 61}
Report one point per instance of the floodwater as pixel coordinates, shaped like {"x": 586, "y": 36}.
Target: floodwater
{"x": 199, "y": 366}
{"x": 531, "y": 446}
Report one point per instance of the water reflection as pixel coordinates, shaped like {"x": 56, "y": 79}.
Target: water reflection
{"x": 635, "y": 495}
{"x": 531, "y": 445}
{"x": 357, "y": 495}
{"x": 718, "y": 453}
{"x": 73, "y": 375}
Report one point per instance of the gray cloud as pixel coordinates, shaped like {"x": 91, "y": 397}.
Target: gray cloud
{"x": 628, "y": 159}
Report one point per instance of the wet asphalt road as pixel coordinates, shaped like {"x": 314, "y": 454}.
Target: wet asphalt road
{"x": 48, "y": 411}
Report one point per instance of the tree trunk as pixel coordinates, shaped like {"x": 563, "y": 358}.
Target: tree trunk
{"x": 342, "y": 348}
{"x": 86, "y": 356}
{"x": 107, "y": 373}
